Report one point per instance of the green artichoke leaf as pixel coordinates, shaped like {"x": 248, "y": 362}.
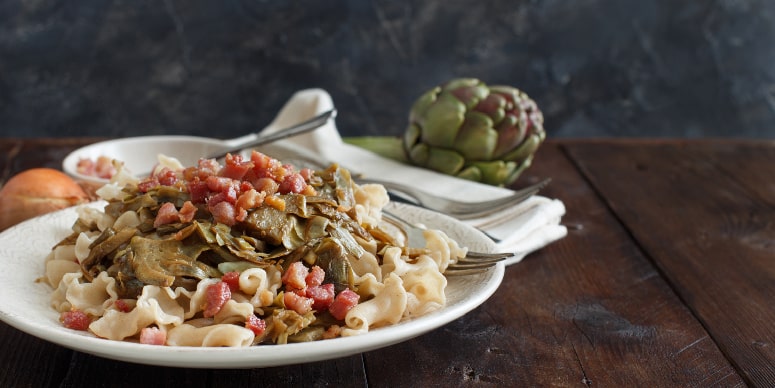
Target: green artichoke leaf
{"x": 236, "y": 247}
{"x": 136, "y": 203}
{"x": 441, "y": 121}
{"x": 476, "y": 139}
{"x": 295, "y": 238}
{"x": 308, "y": 334}
{"x": 469, "y": 91}
{"x": 316, "y": 227}
{"x": 510, "y": 93}
{"x": 343, "y": 183}
{"x": 419, "y": 154}
{"x": 445, "y": 161}
{"x": 411, "y": 135}
{"x": 158, "y": 262}
{"x": 518, "y": 171}
{"x": 347, "y": 241}
{"x": 421, "y": 105}
{"x": 204, "y": 230}
{"x": 295, "y": 204}
{"x": 495, "y": 172}
{"x": 390, "y": 147}
{"x": 223, "y": 254}
{"x": 284, "y": 323}
{"x": 164, "y": 194}
{"x": 109, "y": 241}
{"x": 494, "y": 105}
{"x": 510, "y": 135}
{"x": 331, "y": 255}
{"x": 471, "y": 173}
{"x": 269, "y": 224}
{"x": 528, "y": 147}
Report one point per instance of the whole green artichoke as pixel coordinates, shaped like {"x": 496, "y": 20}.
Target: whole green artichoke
{"x": 482, "y": 133}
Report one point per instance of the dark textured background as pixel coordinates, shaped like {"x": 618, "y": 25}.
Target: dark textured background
{"x": 222, "y": 68}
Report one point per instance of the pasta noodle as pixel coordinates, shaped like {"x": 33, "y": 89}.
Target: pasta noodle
{"x": 214, "y": 335}
{"x": 247, "y": 253}
{"x": 387, "y": 307}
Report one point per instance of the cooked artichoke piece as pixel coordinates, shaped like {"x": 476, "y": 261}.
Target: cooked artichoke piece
{"x": 128, "y": 285}
{"x": 337, "y": 184}
{"x": 344, "y": 189}
{"x": 284, "y": 323}
{"x": 240, "y": 266}
{"x": 316, "y": 227}
{"x": 271, "y": 225}
{"x": 136, "y": 203}
{"x": 169, "y": 194}
{"x": 109, "y": 241}
{"x": 308, "y": 334}
{"x": 159, "y": 262}
{"x": 331, "y": 256}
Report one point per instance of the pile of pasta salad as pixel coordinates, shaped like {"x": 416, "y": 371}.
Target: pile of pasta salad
{"x": 245, "y": 252}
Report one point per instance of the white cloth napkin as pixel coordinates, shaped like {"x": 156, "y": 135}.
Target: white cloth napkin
{"x": 521, "y": 229}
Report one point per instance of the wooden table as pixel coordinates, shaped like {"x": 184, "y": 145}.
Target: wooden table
{"x": 666, "y": 278}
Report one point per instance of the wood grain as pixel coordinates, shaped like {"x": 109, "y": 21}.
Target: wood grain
{"x": 703, "y": 211}
{"x": 587, "y": 310}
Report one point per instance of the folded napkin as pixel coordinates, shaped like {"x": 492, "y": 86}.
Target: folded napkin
{"x": 521, "y": 229}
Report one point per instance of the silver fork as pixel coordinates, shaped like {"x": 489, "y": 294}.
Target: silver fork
{"x": 474, "y": 262}
{"x": 261, "y": 139}
{"x": 458, "y": 209}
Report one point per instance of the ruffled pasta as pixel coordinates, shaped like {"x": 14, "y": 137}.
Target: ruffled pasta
{"x": 387, "y": 307}
{"x": 421, "y": 279}
{"x": 91, "y": 297}
{"x": 218, "y": 335}
{"x": 370, "y": 199}
{"x": 260, "y": 286}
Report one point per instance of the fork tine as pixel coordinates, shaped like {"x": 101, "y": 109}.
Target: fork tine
{"x": 453, "y": 270}
{"x": 469, "y": 210}
{"x": 471, "y": 260}
{"x": 484, "y": 209}
{"x": 514, "y": 197}
{"x": 457, "y": 209}
{"x": 460, "y": 265}
{"x": 481, "y": 256}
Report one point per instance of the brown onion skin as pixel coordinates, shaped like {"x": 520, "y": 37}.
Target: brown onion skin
{"x": 37, "y": 191}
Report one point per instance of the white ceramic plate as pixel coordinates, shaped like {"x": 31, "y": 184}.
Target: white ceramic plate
{"x": 24, "y": 303}
{"x": 139, "y": 154}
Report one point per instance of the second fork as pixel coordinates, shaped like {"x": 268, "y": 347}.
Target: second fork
{"x": 473, "y": 262}
{"x": 458, "y": 209}
{"x": 462, "y": 210}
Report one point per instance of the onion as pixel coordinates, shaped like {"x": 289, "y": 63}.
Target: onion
{"x": 37, "y": 191}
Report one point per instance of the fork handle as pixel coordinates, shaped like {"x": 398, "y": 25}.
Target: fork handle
{"x": 303, "y": 127}
{"x": 397, "y": 189}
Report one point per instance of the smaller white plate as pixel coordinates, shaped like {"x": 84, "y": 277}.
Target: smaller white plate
{"x": 140, "y": 153}
{"x": 24, "y": 303}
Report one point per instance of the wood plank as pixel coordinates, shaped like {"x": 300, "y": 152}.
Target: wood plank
{"x": 22, "y": 154}
{"x": 28, "y": 361}
{"x": 9, "y": 149}
{"x": 91, "y": 371}
{"x": 589, "y": 309}
{"x": 703, "y": 211}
